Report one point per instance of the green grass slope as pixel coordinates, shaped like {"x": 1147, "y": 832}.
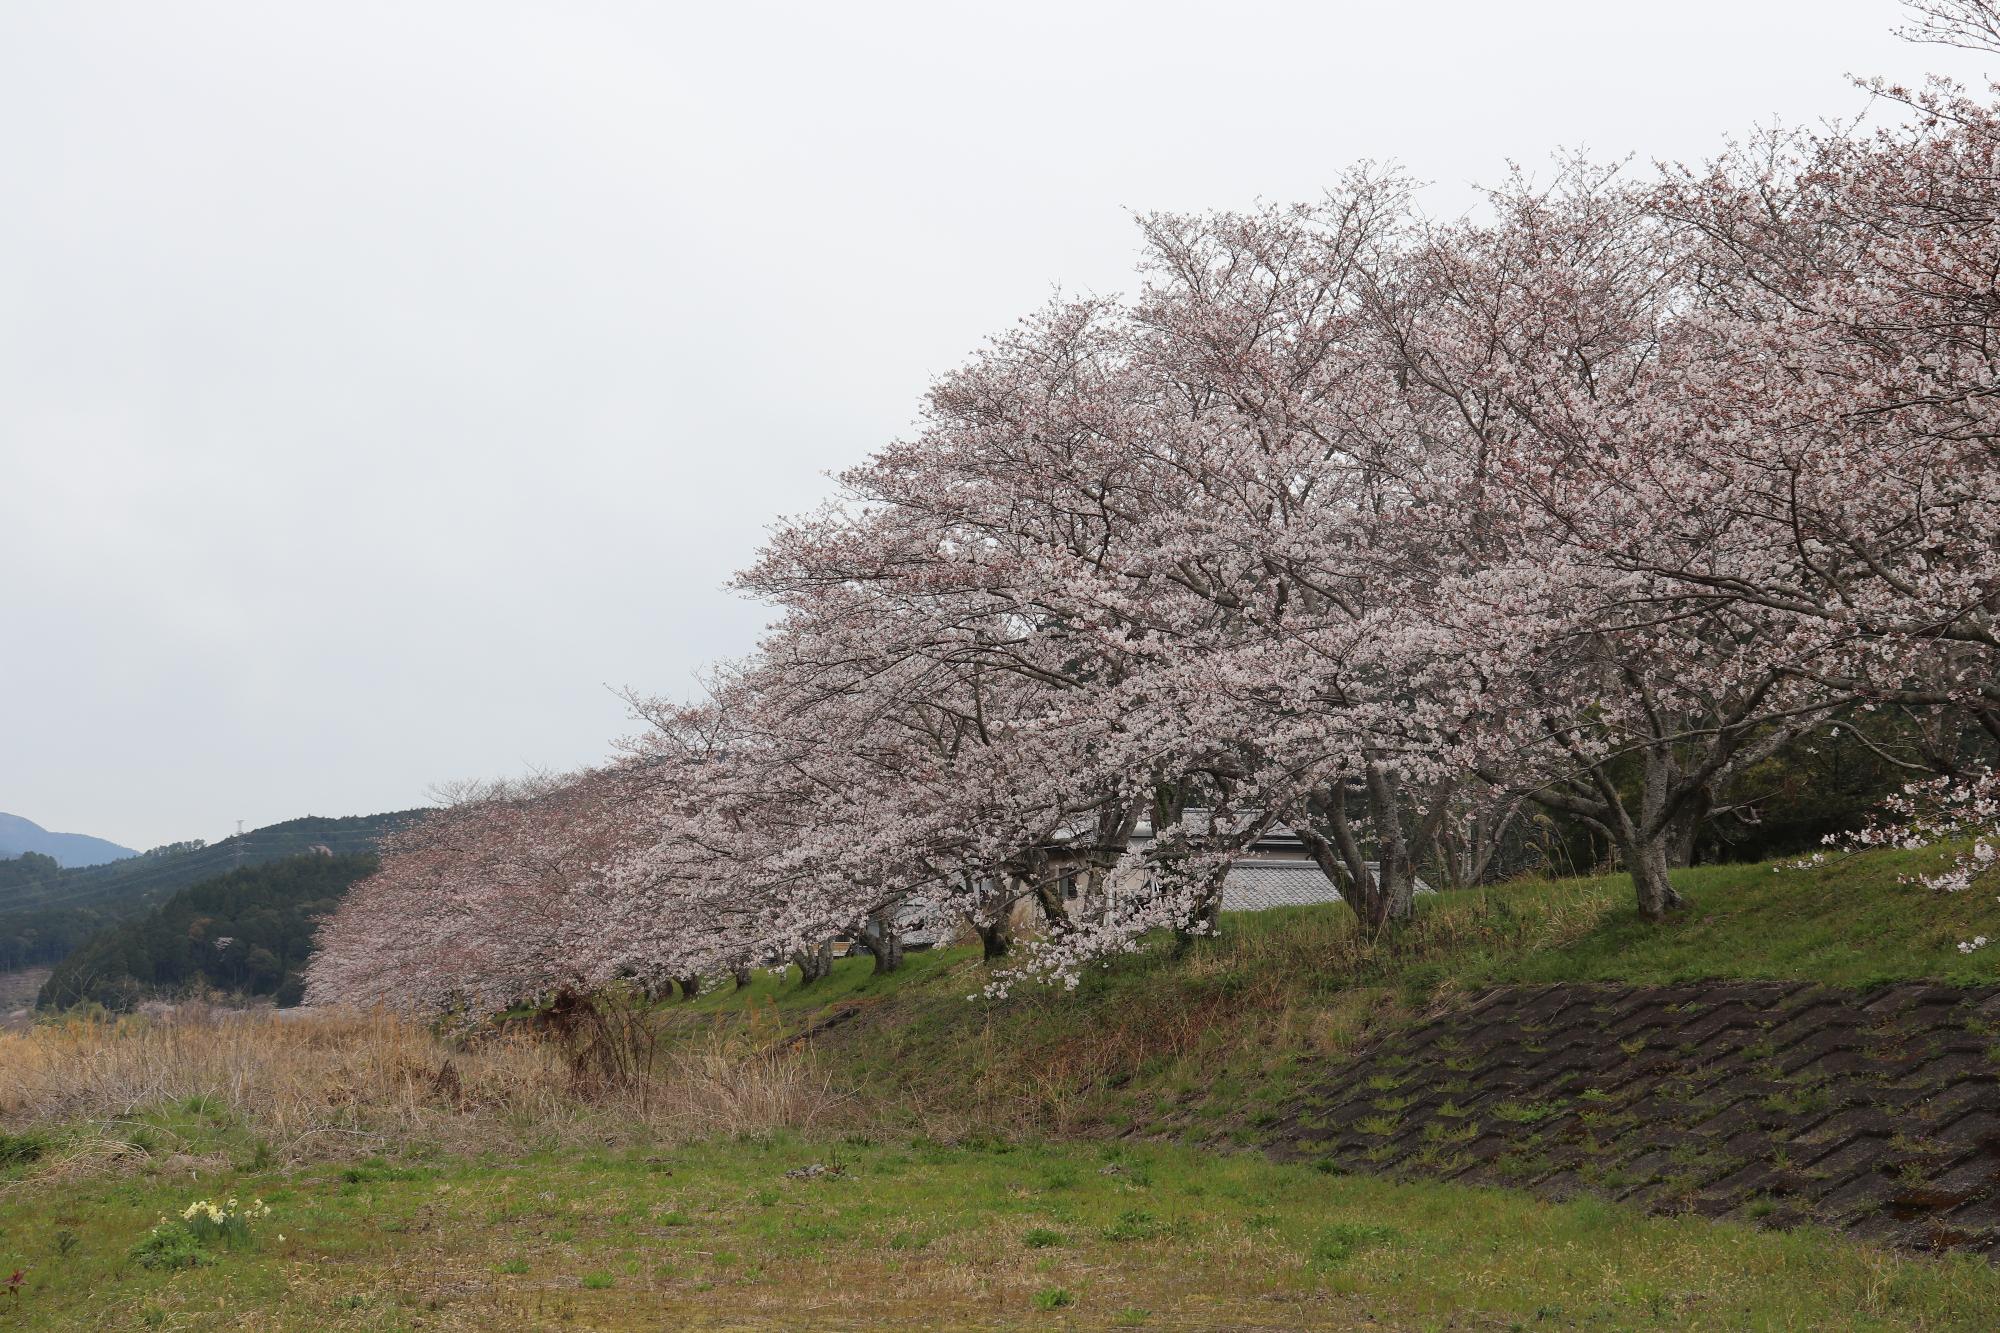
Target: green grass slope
{"x": 1161, "y": 1040}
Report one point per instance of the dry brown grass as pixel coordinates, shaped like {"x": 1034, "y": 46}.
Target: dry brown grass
{"x": 331, "y": 1084}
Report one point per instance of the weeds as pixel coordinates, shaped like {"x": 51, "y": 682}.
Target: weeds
{"x": 1134, "y": 1224}
{"x": 305, "y": 1087}
{"x": 21, "y": 1149}
{"x": 1526, "y": 1113}
{"x": 1341, "y": 1242}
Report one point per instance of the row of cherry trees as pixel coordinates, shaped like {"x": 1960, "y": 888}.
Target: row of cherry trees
{"x": 1353, "y": 522}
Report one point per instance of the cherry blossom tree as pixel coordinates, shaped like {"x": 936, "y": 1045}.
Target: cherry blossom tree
{"x": 1350, "y": 522}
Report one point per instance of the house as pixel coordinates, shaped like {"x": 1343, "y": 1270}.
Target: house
{"x": 916, "y": 927}
{"x": 1274, "y": 870}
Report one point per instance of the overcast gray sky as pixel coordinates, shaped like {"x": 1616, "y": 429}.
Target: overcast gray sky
{"x": 379, "y": 382}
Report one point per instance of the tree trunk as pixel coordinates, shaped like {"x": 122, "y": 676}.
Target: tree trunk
{"x": 741, "y": 974}
{"x": 1205, "y": 918}
{"x": 993, "y": 940}
{"x": 1208, "y": 911}
{"x": 815, "y": 962}
{"x": 890, "y": 956}
{"x": 1397, "y": 882}
{"x": 1685, "y": 827}
{"x": 1358, "y": 896}
{"x": 1049, "y": 893}
{"x": 1647, "y": 862}
{"x": 690, "y": 987}
{"x": 1342, "y": 860}
{"x": 1396, "y": 878}
{"x": 878, "y": 936}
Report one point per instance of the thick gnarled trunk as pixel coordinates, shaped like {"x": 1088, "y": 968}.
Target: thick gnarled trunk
{"x": 878, "y": 935}
{"x": 814, "y": 963}
{"x": 1381, "y": 894}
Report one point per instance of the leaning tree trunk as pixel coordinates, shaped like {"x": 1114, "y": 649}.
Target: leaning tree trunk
{"x": 1356, "y": 889}
{"x": 1379, "y": 896}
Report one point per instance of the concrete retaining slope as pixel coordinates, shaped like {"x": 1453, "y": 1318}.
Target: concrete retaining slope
{"x": 1875, "y": 1112}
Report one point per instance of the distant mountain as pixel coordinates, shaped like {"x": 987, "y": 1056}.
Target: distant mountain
{"x": 18, "y": 835}
{"x": 45, "y": 912}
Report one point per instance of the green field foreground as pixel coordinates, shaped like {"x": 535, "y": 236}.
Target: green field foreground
{"x": 1058, "y": 1160}
{"x": 718, "y": 1235}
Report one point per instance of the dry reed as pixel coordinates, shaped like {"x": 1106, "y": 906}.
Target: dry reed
{"x": 328, "y": 1083}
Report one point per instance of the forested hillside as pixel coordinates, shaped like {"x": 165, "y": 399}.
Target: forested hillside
{"x": 47, "y": 911}
{"x": 246, "y": 932}
{"x": 40, "y": 935}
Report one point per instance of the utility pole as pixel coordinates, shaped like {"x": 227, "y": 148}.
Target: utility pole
{"x": 239, "y": 846}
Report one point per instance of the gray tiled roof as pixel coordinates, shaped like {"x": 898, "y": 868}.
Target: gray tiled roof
{"x": 1253, "y": 886}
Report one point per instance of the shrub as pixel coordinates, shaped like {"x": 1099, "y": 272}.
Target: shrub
{"x": 21, "y": 1149}
{"x": 171, "y": 1245}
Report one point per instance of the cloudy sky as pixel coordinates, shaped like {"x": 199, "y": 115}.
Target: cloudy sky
{"x": 384, "y": 384}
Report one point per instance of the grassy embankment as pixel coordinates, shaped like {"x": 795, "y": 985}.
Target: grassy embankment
{"x": 1191, "y": 1045}
{"x": 419, "y": 1185}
